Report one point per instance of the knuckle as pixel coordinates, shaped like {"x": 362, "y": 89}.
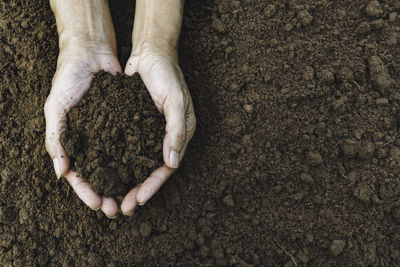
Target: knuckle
{"x": 176, "y": 102}
{"x": 191, "y": 127}
{"x": 191, "y": 131}
{"x": 52, "y": 106}
{"x": 49, "y": 148}
{"x": 49, "y": 141}
{"x": 46, "y": 145}
{"x": 47, "y": 106}
{"x": 182, "y": 99}
{"x": 179, "y": 138}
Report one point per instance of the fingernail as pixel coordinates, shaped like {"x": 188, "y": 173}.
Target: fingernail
{"x": 57, "y": 168}
{"x": 128, "y": 214}
{"x": 113, "y": 217}
{"x": 95, "y": 209}
{"x": 140, "y": 204}
{"x": 174, "y": 159}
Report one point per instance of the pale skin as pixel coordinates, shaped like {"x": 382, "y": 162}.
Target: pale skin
{"x": 87, "y": 45}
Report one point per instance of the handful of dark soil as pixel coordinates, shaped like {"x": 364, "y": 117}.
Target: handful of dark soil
{"x": 115, "y": 134}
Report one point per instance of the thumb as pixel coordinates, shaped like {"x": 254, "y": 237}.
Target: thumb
{"x": 55, "y": 124}
{"x": 175, "y": 136}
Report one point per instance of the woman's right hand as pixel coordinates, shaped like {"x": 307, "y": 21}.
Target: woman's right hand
{"x": 87, "y": 45}
{"x": 71, "y": 81}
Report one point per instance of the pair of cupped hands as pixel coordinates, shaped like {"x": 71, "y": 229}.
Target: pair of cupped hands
{"x": 164, "y": 80}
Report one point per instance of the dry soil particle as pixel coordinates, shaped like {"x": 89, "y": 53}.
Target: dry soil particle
{"x": 115, "y": 134}
{"x": 379, "y": 75}
{"x": 337, "y": 247}
{"x": 374, "y": 9}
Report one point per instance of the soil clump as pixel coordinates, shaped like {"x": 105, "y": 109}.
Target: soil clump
{"x": 115, "y": 134}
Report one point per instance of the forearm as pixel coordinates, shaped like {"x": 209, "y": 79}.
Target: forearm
{"x": 84, "y": 24}
{"x": 157, "y": 26}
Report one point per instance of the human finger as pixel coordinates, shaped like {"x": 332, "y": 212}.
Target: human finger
{"x": 175, "y": 131}
{"x": 56, "y": 122}
{"x": 109, "y": 207}
{"x": 191, "y": 121}
{"x": 83, "y": 190}
{"x": 153, "y": 183}
{"x": 129, "y": 202}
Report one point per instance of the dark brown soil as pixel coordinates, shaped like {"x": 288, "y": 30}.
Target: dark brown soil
{"x": 295, "y": 160}
{"x": 115, "y": 134}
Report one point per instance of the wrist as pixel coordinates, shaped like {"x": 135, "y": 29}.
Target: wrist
{"x": 157, "y": 27}
{"x": 75, "y": 43}
{"x": 84, "y": 26}
{"x": 155, "y": 46}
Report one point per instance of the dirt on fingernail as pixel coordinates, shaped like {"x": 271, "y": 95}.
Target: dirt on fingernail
{"x": 114, "y": 135}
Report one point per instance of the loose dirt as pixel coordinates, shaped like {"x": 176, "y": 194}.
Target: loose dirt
{"x": 295, "y": 161}
{"x": 115, "y": 134}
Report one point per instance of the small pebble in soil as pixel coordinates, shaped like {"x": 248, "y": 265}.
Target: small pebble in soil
{"x": 363, "y": 28}
{"x": 228, "y": 200}
{"x": 396, "y": 213}
{"x": 145, "y": 229}
{"x": 248, "y": 108}
{"x": 374, "y": 9}
{"x": 366, "y": 150}
{"x": 358, "y": 133}
{"x": 339, "y": 105}
{"x": 7, "y": 214}
{"x": 378, "y": 74}
{"x": 298, "y": 196}
{"x": 228, "y": 50}
{"x": 377, "y": 24}
{"x": 2, "y": 213}
{"x": 363, "y": 192}
{"x": 306, "y": 178}
{"x": 288, "y": 27}
{"x": 219, "y": 26}
{"x": 25, "y": 24}
{"x": 5, "y": 175}
{"x": 302, "y": 257}
{"x": 270, "y": 11}
{"x": 369, "y": 256}
{"x": 345, "y": 75}
{"x": 382, "y": 101}
{"x": 314, "y": 158}
{"x": 353, "y": 177}
{"x": 326, "y": 77}
{"x": 200, "y": 239}
{"x": 337, "y": 247}
{"x": 94, "y": 259}
{"x": 349, "y": 148}
{"x": 304, "y": 18}
{"x": 393, "y": 16}
{"x": 290, "y": 264}
{"x": 267, "y": 77}
{"x": 308, "y": 74}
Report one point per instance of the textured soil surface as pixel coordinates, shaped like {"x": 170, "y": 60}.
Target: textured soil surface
{"x": 295, "y": 161}
{"x": 115, "y": 134}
